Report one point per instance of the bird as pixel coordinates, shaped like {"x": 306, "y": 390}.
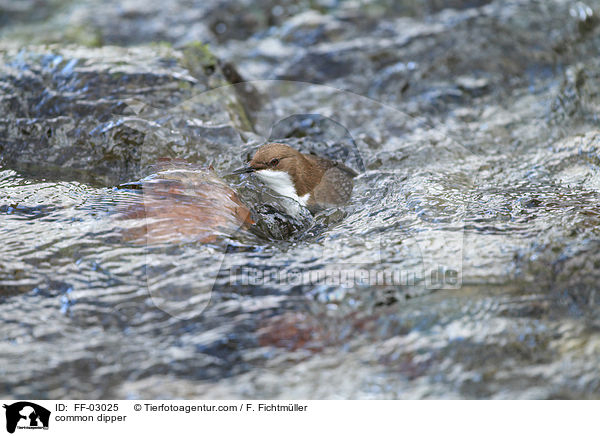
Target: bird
{"x": 313, "y": 181}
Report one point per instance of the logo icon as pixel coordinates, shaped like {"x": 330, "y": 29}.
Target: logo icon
{"x": 26, "y": 415}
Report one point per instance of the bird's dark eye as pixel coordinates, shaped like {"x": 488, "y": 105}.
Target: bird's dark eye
{"x": 274, "y": 162}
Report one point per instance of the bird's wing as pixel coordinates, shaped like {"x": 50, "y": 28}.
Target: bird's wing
{"x": 335, "y": 188}
{"x": 327, "y": 163}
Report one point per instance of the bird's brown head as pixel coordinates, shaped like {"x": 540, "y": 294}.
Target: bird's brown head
{"x": 281, "y": 157}
{"x": 272, "y": 156}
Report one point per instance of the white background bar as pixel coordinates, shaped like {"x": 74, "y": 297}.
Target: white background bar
{"x": 310, "y": 418}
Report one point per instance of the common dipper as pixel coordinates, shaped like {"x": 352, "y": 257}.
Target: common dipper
{"x": 313, "y": 181}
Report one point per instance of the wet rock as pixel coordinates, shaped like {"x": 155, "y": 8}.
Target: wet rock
{"x": 28, "y": 10}
{"x": 292, "y": 331}
{"x": 102, "y": 115}
{"x": 576, "y": 161}
{"x": 399, "y": 58}
{"x": 576, "y": 100}
{"x": 277, "y": 218}
{"x": 184, "y": 203}
{"x": 584, "y": 14}
{"x": 95, "y": 23}
{"x": 310, "y": 28}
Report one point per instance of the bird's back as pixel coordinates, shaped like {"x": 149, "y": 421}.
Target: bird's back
{"x": 335, "y": 186}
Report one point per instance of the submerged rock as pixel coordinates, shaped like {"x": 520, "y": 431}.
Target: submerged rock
{"x": 184, "y": 203}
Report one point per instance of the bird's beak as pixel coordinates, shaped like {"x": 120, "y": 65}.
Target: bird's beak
{"x": 244, "y": 170}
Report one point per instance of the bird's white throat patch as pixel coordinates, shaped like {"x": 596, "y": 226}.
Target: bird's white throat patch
{"x": 281, "y": 182}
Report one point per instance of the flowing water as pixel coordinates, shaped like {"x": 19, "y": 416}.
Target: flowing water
{"x": 465, "y": 265}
